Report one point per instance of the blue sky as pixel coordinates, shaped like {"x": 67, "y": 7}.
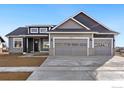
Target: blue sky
{"x": 13, "y": 16}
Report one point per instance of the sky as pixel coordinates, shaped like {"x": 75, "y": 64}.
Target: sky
{"x": 14, "y": 16}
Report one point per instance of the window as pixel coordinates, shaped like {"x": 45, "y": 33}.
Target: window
{"x": 43, "y": 30}
{"x": 45, "y": 44}
{"x": 33, "y": 30}
{"x": 17, "y": 42}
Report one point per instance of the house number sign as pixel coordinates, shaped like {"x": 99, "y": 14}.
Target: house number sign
{"x": 101, "y": 44}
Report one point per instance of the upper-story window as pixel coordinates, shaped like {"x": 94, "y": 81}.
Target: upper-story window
{"x": 43, "y": 30}
{"x": 33, "y": 30}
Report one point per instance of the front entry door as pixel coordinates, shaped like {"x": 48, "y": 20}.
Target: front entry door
{"x": 36, "y": 45}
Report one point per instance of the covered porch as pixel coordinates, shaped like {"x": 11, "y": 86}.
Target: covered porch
{"x": 35, "y": 44}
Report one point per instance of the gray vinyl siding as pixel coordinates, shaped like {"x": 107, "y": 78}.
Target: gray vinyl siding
{"x": 14, "y": 50}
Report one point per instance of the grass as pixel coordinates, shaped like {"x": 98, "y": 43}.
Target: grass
{"x": 16, "y": 61}
{"x": 14, "y": 75}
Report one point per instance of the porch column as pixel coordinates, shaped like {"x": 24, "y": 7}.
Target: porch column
{"x": 33, "y": 45}
{"x": 27, "y": 44}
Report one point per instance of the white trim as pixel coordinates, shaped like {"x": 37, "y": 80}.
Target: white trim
{"x": 15, "y": 39}
{"x": 72, "y": 38}
{"x": 49, "y": 28}
{"x": 33, "y": 28}
{"x": 60, "y": 32}
{"x": 81, "y": 24}
{"x": 75, "y": 32}
{"x": 103, "y": 38}
{"x": 27, "y": 44}
{"x": 28, "y": 30}
{"x": 32, "y": 35}
{"x": 49, "y": 40}
{"x": 108, "y": 33}
{"x": 92, "y": 41}
{"x": 40, "y": 30}
{"x": 111, "y": 43}
{"x": 25, "y": 35}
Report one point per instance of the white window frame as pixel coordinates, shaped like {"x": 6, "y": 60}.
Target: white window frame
{"x": 17, "y": 39}
{"x": 33, "y": 32}
{"x": 54, "y": 38}
{"x": 45, "y": 30}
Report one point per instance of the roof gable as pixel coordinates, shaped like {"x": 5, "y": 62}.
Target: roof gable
{"x": 71, "y": 24}
{"x": 75, "y": 23}
{"x": 89, "y": 23}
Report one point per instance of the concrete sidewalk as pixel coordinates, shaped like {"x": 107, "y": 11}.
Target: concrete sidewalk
{"x": 18, "y": 69}
{"x": 111, "y": 70}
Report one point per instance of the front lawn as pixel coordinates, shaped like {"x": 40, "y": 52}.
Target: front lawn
{"x": 14, "y": 75}
{"x": 17, "y": 61}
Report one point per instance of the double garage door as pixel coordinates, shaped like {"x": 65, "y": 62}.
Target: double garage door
{"x": 71, "y": 47}
{"x": 80, "y": 47}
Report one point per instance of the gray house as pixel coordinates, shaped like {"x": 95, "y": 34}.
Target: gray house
{"x": 79, "y": 35}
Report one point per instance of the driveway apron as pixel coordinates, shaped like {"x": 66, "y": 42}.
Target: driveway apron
{"x": 69, "y": 68}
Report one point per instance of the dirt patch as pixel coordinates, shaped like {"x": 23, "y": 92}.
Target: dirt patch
{"x": 14, "y": 75}
{"x": 119, "y": 54}
{"x": 16, "y": 61}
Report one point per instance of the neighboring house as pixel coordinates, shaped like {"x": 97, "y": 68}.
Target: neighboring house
{"x": 2, "y": 42}
{"x": 79, "y": 35}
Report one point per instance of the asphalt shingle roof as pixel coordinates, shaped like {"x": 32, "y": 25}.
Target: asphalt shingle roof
{"x": 23, "y": 31}
{"x": 91, "y": 23}
{"x": 19, "y": 31}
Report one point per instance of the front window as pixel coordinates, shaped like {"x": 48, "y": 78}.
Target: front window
{"x": 45, "y": 44}
{"x": 33, "y": 30}
{"x": 43, "y": 30}
{"x": 17, "y": 42}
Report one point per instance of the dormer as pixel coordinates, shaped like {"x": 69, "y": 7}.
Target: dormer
{"x": 37, "y": 29}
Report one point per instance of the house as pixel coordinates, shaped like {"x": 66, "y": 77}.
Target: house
{"x": 79, "y": 35}
{"x": 1, "y": 44}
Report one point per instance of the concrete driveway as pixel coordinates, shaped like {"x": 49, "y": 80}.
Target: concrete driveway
{"x": 69, "y": 68}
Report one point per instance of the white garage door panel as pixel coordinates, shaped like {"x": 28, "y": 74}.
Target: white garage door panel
{"x": 62, "y": 47}
{"x": 79, "y": 47}
{"x": 75, "y": 47}
{"x": 103, "y": 46}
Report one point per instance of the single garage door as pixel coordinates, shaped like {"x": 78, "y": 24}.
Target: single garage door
{"x": 103, "y": 47}
{"x": 71, "y": 47}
